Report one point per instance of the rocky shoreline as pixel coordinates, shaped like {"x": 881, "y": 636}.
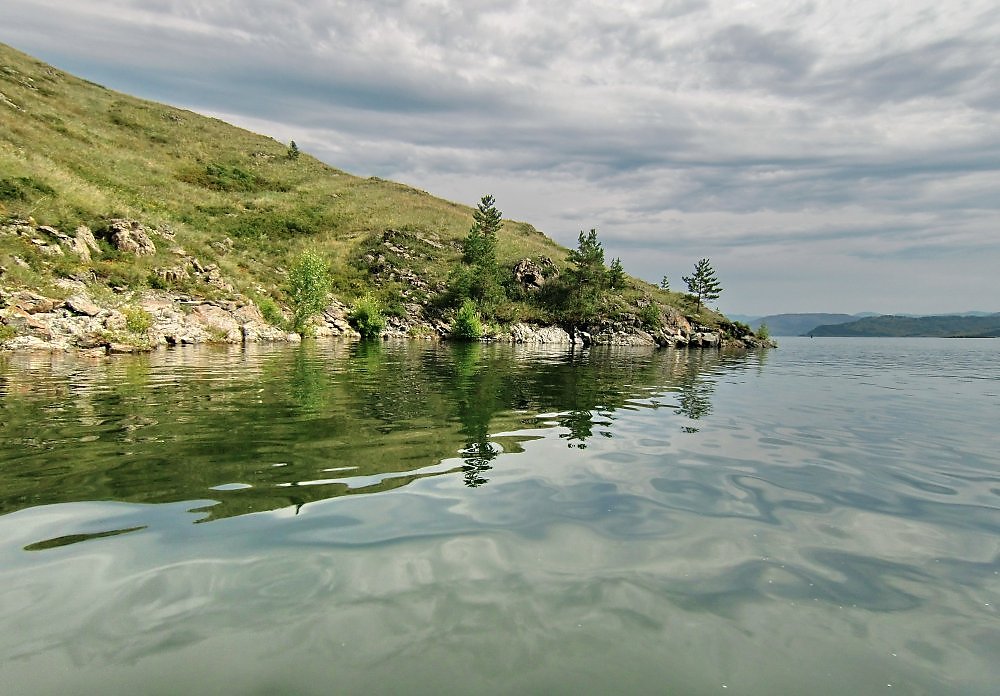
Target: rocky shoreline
{"x": 93, "y": 319}
{"x": 158, "y": 319}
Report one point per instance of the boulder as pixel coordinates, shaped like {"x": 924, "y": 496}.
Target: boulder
{"x": 81, "y": 304}
{"x": 130, "y": 237}
{"x": 525, "y": 333}
{"x": 530, "y": 275}
{"x": 216, "y": 320}
{"x": 32, "y": 303}
{"x": 84, "y": 243}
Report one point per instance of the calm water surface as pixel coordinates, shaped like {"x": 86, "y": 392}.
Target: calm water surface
{"x": 412, "y": 518}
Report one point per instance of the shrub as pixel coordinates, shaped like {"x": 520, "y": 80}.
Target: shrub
{"x": 271, "y": 312}
{"x": 308, "y": 287}
{"x": 467, "y": 325}
{"x": 366, "y": 317}
{"x": 137, "y": 320}
{"x": 763, "y": 333}
{"x": 7, "y": 332}
{"x": 649, "y": 315}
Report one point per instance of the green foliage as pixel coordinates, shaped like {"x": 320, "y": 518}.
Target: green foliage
{"x": 308, "y": 288}
{"x": 272, "y": 225}
{"x": 665, "y": 284}
{"x": 649, "y": 315}
{"x": 293, "y": 151}
{"x": 7, "y": 332}
{"x": 221, "y": 177}
{"x": 467, "y": 325}
{"x": 616, "y": 275}
{"x": 366, "y": 317}
{"x": 578, "y": 294}
{"x": 703, "y": 283}
{"x": 23, "y": 188}
{"x": 137, "y": 319}
{"x": 478, "y": 278}
{"x": 271, "y": 312}
{"x": 763, "y": 333}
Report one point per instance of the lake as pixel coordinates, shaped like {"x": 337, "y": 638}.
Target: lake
{"x": 823, "y": 518}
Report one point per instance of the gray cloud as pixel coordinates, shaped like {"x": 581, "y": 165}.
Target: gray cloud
{"x": 814, "y": 137}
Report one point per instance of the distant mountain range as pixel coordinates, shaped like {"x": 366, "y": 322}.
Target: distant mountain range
{"x": 944, "y": 326}
{"x": 872, "y": 324}
{"x": 794, "y": 324}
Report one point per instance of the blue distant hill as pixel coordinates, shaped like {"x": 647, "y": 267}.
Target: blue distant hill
{"x": 798, "y": 324}
{"x": 969, "y": 326}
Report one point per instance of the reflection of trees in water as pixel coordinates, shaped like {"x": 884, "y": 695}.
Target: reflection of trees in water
{"x": 695, "y": 399}
{"x": 479, "y": 395}
{"x": 695, "y": 385}
{"x": 477, "y": 457}
{"x": 321, "y": 420}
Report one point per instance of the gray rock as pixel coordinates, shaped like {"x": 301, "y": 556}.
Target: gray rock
{"x": 525, "y": 333}
{"x": 528, "y": 274}
{"x": 80, "y": 304}
{"x": 130, "y": 237}
{"x": 32, "y": 303}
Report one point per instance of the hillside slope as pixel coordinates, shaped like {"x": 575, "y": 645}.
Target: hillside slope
{"x": 941, "y": 326}
{"x": 225, "y": 211}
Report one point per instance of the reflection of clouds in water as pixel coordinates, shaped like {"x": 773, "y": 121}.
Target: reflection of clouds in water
{"x": 555, "y": 593}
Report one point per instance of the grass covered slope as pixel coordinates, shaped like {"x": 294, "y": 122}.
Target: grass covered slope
{"x": 73, "y": 152}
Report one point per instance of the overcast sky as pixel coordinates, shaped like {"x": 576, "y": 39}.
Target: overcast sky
{"x": 832, "y": 155}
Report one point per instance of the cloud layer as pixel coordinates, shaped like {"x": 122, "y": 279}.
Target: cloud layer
{"x": 826, "y": 155}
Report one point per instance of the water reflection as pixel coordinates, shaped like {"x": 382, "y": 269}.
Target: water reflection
{"x": 829, "y": 528}
{"x": 264, "y": 428}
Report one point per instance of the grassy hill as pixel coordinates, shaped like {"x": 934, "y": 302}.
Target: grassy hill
{"x": 75, "y": 153}
{"x": 942, "y": 326}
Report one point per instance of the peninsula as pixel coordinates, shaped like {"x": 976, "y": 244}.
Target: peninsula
{"x": 127, "y": 224}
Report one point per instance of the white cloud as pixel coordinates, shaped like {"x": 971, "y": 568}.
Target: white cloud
{"x": 769, "y": 135}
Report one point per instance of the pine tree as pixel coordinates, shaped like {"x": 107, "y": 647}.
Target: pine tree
{"x": 703, "y": 283}
{"x": 616, "y": 275}
{"x": 479, "y": 278}
{"x": 586, "y": 281}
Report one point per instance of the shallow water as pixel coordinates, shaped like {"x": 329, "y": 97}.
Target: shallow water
{"x": 414, "y": 518}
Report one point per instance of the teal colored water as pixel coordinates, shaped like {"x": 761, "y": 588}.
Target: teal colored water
{"x": 412, "y": 518}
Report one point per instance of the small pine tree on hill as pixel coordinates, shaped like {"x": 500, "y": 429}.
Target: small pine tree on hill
{"x": 479, "y": 278}
{"x": 703, "y": 283}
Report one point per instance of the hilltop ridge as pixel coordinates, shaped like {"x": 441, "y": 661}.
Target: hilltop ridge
{"x": 129, "y": 206}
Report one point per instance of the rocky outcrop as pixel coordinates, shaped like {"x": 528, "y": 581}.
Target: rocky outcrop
{"x": 532, "y": 275}
{"x": 154, "y": 318}
{"x": 526, "y": 333}
{"x": 130, "y": 237}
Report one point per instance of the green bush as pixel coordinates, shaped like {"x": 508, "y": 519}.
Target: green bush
{"x": 649, "y": 315}
{"x": 271, "y": 312}
{"x": 467, "y": 325}
{"x": 7, "y": 332}
{"x": 137, "y": 320}
{"x": 366, "y": 317}
{"x": 308, "y": 288}
{"x": 763, "y": 333}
